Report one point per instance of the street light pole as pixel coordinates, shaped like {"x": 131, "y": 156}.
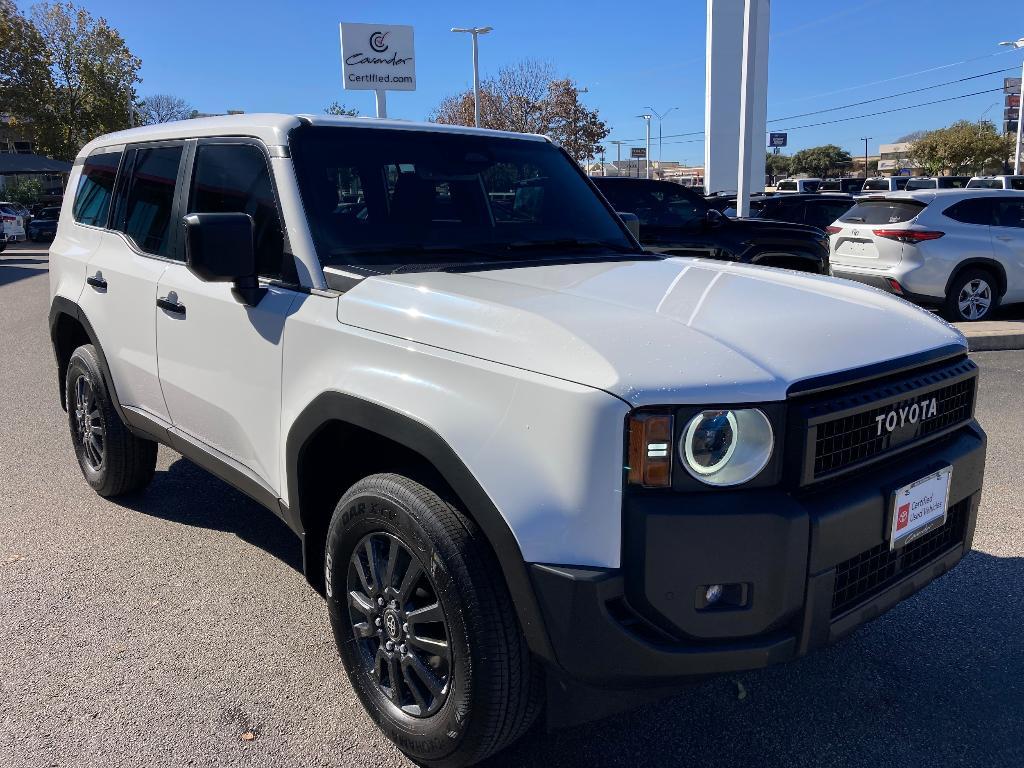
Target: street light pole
{"x": 475, "y": 32}
{"x": 647, "y": 159}
{"x": 1019, "y": 43}
{"x": 866, "y": 139}
{"x": 660, "y": 118}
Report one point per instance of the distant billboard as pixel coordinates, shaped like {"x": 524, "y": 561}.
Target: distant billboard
{"x": 638, "y": 152}
{"x": 777, "y": 139}
{"x": 378, "y": 57}
{"x": 1011, "y": 85}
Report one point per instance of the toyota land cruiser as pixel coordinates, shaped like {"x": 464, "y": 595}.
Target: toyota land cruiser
{"x": 527, "y": 460}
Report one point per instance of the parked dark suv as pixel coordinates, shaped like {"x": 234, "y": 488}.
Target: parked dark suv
{"x": 814, "y": 210}
{"x": 679, "y": 222}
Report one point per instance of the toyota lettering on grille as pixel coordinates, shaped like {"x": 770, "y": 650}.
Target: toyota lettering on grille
{"x": 907, "y": 414}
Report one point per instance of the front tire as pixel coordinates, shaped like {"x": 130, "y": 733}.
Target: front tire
{"x": 112, "y": 459}
{"x": 973, "y": 296}
{"x": 425, "y": 625}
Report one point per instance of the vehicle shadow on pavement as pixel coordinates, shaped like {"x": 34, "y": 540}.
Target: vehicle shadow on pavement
{"x": 187, "y": 494}
{"x": 937, "y": 681}
{"x": 11, "y": 273}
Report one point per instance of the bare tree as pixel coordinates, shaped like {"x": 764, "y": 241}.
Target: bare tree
{"x": 337, "y": 108}
{"x": 528, "y": 98}
{"x": 163, "y": 108}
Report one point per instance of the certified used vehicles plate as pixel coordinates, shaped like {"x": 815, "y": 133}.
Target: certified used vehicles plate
{"x": 920, "y": 507}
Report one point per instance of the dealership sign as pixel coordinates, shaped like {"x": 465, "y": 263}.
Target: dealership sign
{"x": 777, "y": 139}
{"x": 378, "y": 57}
{"x": 637, "y": 152}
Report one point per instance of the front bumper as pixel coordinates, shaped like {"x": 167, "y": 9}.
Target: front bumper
{"x": 644, "y": 625}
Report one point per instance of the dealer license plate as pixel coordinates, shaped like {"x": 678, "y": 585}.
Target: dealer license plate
{"x": 919, "y": 508}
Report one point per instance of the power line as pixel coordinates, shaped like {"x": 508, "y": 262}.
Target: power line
{"x": 870, "y": 114}
{"x": 894, "y": 95}
{"x": 866, "y": 101}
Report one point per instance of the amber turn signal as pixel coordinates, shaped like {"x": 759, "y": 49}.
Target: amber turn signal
{"x": 650, "y": 450}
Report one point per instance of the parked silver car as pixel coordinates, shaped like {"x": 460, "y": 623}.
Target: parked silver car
{"x": 961, "y": 250}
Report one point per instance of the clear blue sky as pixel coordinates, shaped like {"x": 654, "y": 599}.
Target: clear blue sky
{"x": 268, "y": 56}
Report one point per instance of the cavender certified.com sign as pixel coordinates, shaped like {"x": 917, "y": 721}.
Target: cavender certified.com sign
{"x": 378, "y": 57}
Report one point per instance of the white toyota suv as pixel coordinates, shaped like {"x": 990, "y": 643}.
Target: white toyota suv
{"x": 528, "y": 461}
{"x": 961, "y": 250}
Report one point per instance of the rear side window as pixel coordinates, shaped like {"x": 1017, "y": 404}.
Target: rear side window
{"x": 976, "y": 211}
{"x": 985, "y": 184}
{"x": 921, "y": 184}
{"x": 952, "y": 182}
{"x": 882, "y": 212}
{"x": 1009, "y": 213}
{"x": 149, "y": 198}
{"x": 1016, "y": 183}
{"x": 900, "y": 182}
{"x": 234, "y": 178}
{"x": 95, "y": 187}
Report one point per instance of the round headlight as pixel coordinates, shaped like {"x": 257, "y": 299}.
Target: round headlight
{"x": 726, "y": 447}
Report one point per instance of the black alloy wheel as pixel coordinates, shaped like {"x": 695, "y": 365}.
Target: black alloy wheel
{"x": 87, "y": 425}
{"x": 399, "y": 626}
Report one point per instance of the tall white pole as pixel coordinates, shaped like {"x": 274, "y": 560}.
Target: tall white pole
{"x": 1020, "y": 124}
{"x": 746, "y": 107}
{"x": 647, "y": 159}
{"x": 382, "y": 103}
{"x": 476, "y": 80}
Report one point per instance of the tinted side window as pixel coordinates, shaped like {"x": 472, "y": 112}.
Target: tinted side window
{"x": 95, "y": 187}
{"x": 978, "y": 211}
{"x": 1016, "y": 183}
{"x": 1009, "y": 213}
{"x": 149, "y": 197}
{"x": 234, "y": 178}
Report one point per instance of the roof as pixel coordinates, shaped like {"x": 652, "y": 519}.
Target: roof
{"x": 11, "y": 164}
{"x": 927, "y": 195}
{"x": 273, "y": 129}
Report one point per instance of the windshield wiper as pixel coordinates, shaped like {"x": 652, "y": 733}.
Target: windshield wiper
{"x": 567, "y": 243}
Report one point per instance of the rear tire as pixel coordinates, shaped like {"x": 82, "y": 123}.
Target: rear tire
{"x": 112, "y": 459}
{"x": 453, "y": 625}
{"x": 973, "y": 296}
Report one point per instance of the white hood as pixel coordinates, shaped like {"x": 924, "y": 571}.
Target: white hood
{"x": 653, "y": 332}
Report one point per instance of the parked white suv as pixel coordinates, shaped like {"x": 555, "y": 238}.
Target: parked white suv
{"x": 12, "y": 225}
{"x": 958, "y": 249}
{"x": 525, "y": 458}
{"x": 877, "y": 184}
{"x": 798, "y": 186}
{"x": 996, "y": 182}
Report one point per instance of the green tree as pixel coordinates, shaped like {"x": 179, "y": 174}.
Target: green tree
{"x": 24, "y": 190}
{"x": 826, "y": 160}
{"x": 777, "y": 165}
{"x": 337, "y": 108}
{"x": 65, "y": 76}
{"x": 962, "y": 148}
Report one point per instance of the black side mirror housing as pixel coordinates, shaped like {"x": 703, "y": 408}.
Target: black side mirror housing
{"x": 220, "y": 248}
{"x": 632, "y": 222}
{"x": 714, "y": 217}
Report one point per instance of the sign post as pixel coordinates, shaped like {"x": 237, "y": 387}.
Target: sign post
{"x": 378, "y": 57}
{"x": 638, "y": 154}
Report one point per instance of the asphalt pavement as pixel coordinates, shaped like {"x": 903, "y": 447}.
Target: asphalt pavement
{"x": 176, "y": 628}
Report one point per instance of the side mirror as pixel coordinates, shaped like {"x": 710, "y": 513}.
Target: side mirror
{"x": 714, "y": 218}
{"x": 632, "y": 222}
{"x": 220, "y": 248}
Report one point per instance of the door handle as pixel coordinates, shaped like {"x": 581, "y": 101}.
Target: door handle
{"x": 97, "y": 282}
{"x": 169, "y": 305}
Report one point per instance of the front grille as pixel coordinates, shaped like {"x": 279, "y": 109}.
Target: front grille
{"x": 871, "y": 572}
{"x": 843, "y": 431}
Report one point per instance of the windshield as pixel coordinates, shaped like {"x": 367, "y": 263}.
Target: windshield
{"x": 786, "y": 186}
{"x": 388, "y": 199}
{"x": 921, "y": 184}
{"x": 985, "y": 184}
{"x": 875, "y": 185}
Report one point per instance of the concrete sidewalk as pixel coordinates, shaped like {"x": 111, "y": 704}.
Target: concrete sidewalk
{"x": 993, "y": 335}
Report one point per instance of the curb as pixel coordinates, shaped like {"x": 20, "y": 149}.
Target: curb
{"x": 996, "y": 336}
